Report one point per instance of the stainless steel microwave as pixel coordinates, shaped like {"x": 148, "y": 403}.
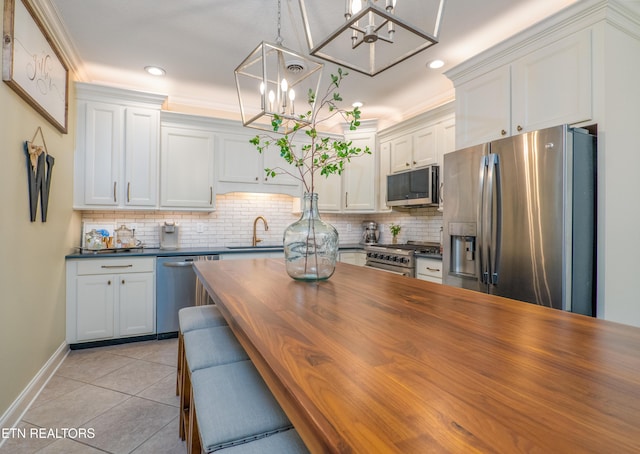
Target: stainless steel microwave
{"x": 413, "y": 188}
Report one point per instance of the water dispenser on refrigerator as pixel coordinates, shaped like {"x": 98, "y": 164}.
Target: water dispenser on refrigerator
{"x": 463, "y": 249}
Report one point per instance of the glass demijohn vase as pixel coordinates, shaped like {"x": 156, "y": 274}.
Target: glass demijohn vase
{"x": 310, "y": 244}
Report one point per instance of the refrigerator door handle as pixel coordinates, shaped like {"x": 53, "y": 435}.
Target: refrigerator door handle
{"x": 495, "y": 216}
{"x": 483, "y": 256}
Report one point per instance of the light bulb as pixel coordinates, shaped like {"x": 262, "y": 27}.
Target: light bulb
{"x": 272, "y": 97}
{"x": 284, "y": 86}
{"x": 292, "y": 97}
{"x": 262, "y": 88}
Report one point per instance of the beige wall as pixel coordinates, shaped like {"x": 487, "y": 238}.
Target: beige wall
{"x": 32, "y": 272}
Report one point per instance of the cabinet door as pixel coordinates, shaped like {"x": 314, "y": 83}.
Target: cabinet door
{"x": 136, "y": 304}
{"x": 429, "y": 270}
{"x": 329, "y": 191}
{"x": 103, "y": 151}
{"x": 424, "y": 147}
{"x": 359, "y": 177}
{"x": 141, "y": 156}
{"x": 446, "y": 144}
{"x": 95, "y": 307}
{"x": 483, "y": 108}
{"x": 401, "y": 153}
{"x": 272, "y": 160}
{"x": 552, "y": 86}
{"x": 385, "y": 169}
{"x": 240, "y": 161}
{"x": 187, "y": 168}
{"x": 446, "y": 140}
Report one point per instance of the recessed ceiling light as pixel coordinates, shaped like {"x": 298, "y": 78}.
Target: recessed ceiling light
{"x": 357, "y": 104}
{"x": 155, "y": 70}
{"x": 435, "y": 64}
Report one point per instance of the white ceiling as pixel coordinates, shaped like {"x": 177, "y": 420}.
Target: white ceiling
{"x": 200, "y": 43}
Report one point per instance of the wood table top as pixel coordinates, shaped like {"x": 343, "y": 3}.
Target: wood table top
{"x": 371, "y": 362}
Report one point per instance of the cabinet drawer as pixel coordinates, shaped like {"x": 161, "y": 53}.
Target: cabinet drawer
{"x": 115, "y": 266}
{"x": 429, "y": 267}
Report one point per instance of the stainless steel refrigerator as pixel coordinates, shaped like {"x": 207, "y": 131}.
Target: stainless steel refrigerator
{"x": 520, "y": 218}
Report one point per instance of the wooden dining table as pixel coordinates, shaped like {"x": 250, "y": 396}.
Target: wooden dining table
{"x": 371, "y": 362}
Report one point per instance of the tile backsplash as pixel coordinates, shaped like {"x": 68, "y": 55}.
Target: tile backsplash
{"x": 232, "y": 222}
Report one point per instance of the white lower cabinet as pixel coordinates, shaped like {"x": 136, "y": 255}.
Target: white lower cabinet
{"x": 429, "y": 269}
{"x": 110, "y": 298}
{"x": 353, "y": 257}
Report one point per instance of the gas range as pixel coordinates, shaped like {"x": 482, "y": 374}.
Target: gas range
{"x": 399, "y": 258}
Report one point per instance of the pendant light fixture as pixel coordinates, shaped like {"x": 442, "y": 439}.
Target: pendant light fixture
{"x": 370, "y": 36}
{"x": 274, "y": 82}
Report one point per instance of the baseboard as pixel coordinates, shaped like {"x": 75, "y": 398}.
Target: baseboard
{"x": 14, "y": 413}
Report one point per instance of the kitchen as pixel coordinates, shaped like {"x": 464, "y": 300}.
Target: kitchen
{"x": 33, "y": 251}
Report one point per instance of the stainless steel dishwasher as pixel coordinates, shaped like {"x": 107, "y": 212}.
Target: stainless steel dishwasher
{"x": 175, "y": 289}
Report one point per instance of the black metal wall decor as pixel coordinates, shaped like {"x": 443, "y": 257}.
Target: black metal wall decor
{"x": 39, "y": 169}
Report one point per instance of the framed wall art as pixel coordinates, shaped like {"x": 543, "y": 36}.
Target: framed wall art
{"x": 32, "y": 65}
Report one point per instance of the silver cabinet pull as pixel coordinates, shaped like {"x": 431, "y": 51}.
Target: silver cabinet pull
{"x": 433, "y": 269}
{"x": 210, "y": 195}
{"x": 116, "y": 266}
{"x": 128, "y": 192}
{"x": 115, "y": 186}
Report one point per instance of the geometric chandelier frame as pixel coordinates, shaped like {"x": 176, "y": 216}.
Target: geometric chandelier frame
{"x": 272, "y": 81}
{"x": 373, "y": 38}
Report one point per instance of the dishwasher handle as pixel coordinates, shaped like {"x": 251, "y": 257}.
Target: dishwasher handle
{"x": 188, "y": 262}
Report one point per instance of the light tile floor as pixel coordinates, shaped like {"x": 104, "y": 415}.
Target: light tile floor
{"x": 126, "y": 394}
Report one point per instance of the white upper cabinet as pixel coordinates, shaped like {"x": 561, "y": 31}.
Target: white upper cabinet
{"x": 414, "y": 150}
{"x": 242, "y": 167}
{"x": 357, "y": 188}
{"x": 101, "y": 149}
{"x": 545, "y": 87}
{"x": 483, "y": 108}
{"x": 116, "y": 159}
{"x": 360, "y": 178}
{"x": 187, "y": 164}
{"x": 240, "y": 161}
{"x": 141, "y": 157}
{"x": 553, "y": 85}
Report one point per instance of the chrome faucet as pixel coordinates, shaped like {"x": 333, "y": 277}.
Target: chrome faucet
{"x": 255, "y": 223}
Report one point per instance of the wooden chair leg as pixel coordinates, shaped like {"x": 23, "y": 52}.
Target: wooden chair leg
{"x": 185, "y": 402}
{"x": 179, "y": 365}
{"x": 194, "y": 445}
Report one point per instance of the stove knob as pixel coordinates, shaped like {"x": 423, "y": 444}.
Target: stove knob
{"x": 395, "y": 259}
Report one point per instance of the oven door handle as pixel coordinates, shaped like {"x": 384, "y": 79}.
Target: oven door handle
{"x": 386, "y": 271}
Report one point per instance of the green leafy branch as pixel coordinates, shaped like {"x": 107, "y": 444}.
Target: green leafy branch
{"x": 324, "y": 154}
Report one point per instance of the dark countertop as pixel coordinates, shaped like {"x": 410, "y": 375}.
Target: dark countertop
{"x": 155, "y": 252}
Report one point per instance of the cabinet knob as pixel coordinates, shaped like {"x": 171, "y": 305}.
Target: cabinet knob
{"x": 519, "y": 128}
{"x": 257, "y": 178}
{"x": 108, "y": 282}
{"x": 123, "y": 281}
{"x": 414, "y": 163}
{"x": 406, "y": 164}
{"x": 503, "y": 133}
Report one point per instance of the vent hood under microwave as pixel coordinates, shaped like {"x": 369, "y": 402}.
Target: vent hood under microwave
{"x": 413, "y": 188}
